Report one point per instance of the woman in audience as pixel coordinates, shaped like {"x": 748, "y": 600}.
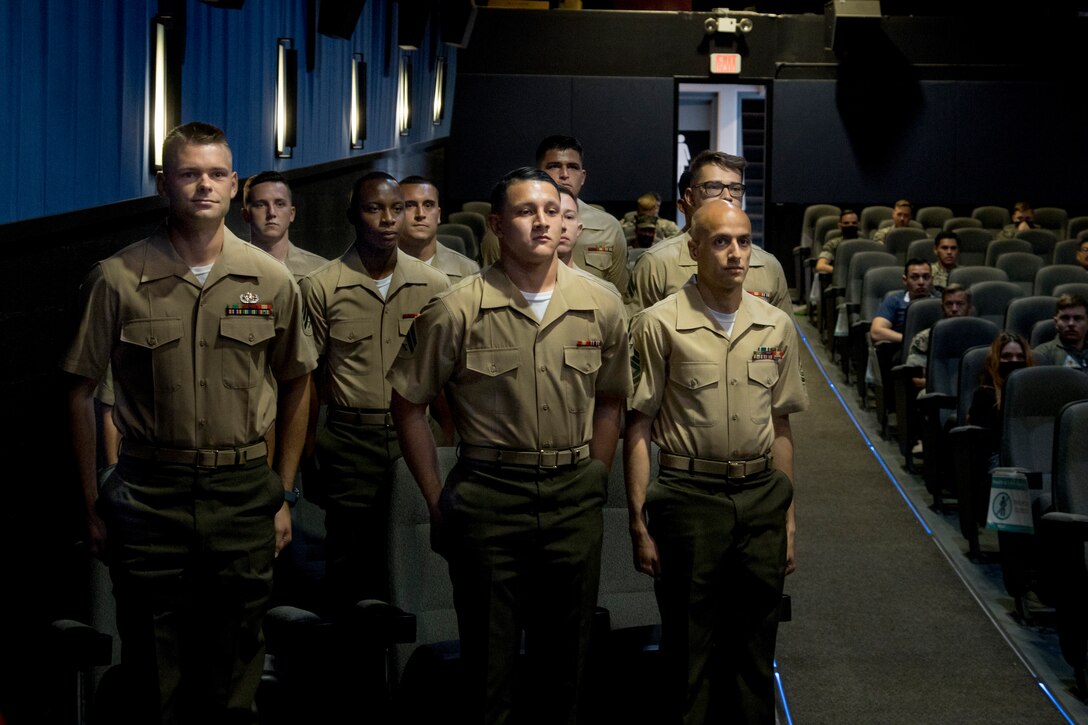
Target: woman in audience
{"x": 1008, "y": 352}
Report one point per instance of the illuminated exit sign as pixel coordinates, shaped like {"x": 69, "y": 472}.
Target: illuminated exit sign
{"x": 725, "y": 63}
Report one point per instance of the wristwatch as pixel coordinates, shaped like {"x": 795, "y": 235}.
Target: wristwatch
{"x": 292, "y": 496}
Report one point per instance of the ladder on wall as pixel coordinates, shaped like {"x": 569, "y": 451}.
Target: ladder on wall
{"x": 754, "y": 150}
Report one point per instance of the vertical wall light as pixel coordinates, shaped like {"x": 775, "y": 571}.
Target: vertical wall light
{"x": 286, "y": 98}
{"x": 158, "y": 91}
{"x": 404, "y": 97}
{"x": 439, "y": 111}
{"x": 358, "y": 101}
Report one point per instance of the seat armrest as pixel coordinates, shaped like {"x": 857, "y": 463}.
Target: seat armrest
{"x": 80, "y": 645}
{"x": 1074, "y": 526}
{"x": 936, "y": 400}
{"x": 381, "y": 623}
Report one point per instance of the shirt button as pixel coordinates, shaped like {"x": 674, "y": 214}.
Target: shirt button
{"x": 152, "y": 341}
{"x": 736, "y": 453}
{"x": 734, "y": 416}
{"x": 203, "y": 343}
{"x": 351, "y": 335}
{"x": 203, "y": 422}
{"x": 492, "y": 367}
{"x": 693, "y": 382}
{"x": 733, "y": 381}
{"x": 544, "y": 407}
{"x": 543, "y": 368}
{"x": 547, "y": 444}
{"x": 251, "y": 336}
{"x": 203, "y": 383}
{"x": 387, "y": 341}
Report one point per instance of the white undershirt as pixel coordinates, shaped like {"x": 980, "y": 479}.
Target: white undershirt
{"x": 201, "y": 272}
{"x": 725, "y": 320}
{"x": 538, "y": 302}
{"x": 383, "y": 285}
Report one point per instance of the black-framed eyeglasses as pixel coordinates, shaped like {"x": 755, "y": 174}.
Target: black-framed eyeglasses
{"x": 714, "y": 189}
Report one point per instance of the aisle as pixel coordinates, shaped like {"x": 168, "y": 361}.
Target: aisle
{"x": 883, "y": 630}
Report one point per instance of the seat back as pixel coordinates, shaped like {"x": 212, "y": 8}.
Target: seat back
{"x": 860, "y": 264}
{"x": 932, "y": 218}
{"x": 1042, "y": 242}
{"x": 970, "y": 276}
{"x": 948, "y": 341}
{"x": 992, "y": 217}
{"x": 1065, "y": 251}
{"x": 875, "y": 285}
{"x": 452, "y": 241}
{"x": 847, "y": 249}
{"x": 472, "y": 244}
{"x": 808, "y": 224}
{"x": 1050, "y": 277}
{"x": 1021, "y": 268}
{"x": 1031, "y": 401}
{"x": 1042, "y": 331}
{"x": 473, "y": 220}
{"x": 921, "y": 314}
{"x": 870, "y": 219}
{"x": 898, "y": 241}
{"x": 1053, "y": 218}
{"x": 1070, "y": 466}
{"x": 991, "y": 299}
{"x": 419, "y": 578}
{"x": 972, "y": 363}
{"x": 954, "y": 224}
{"x": 1077, "y": 225}
{"x": 1071, "y": 288}
{"x": 1024, "y": 312}
{"x": 480, "y": 207}
{"x": 997, "y": 247}
{"x": 822, "y": 226}
{"x": 922, "y": 249}
{"x": 973, "y": 243}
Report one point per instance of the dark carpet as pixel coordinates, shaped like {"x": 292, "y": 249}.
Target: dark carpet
{"x": 883, "y": 629}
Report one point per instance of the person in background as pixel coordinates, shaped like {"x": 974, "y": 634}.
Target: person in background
{"x": 648, "y": 214}
{"x": 1023, "y": 218}
{"x": 1008, "y": 352}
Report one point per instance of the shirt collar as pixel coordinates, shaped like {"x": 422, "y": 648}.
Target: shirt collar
{"x": 162, "y": 259}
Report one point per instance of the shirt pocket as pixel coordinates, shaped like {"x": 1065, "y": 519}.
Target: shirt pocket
{"x": 155, "y": 344}
{"x": 762, "y": 376}
{"x": 350, "y": 350}
{"x": 598, "y": 259}
{"x": 696, "y": 386}
{"x": 492, "y": 379}
{"x": 243, "y": 345}
{"x": 580, "y": 366}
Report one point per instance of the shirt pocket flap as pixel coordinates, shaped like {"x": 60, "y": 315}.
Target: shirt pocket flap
{"x": 247, "y": 330}
{"x": 763, "y": 372}
{"x": 151, "y": 333}
{"x": 406, "y": 325}
{"x": 694, "y": 374}
{"x": 583, "y": 359}
{"x": 599, "y": 259}
{"x": 350, "y": 331}
{"x": 492, "y": 362}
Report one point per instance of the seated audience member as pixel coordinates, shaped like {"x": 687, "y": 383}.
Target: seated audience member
{"x": 947, "y": 248}
{"x": 1082, "y": 253}
{"x": 1068, "y": 348}
{"x": 887, "y": 325}
{"x": 648, "y": 213}
{"x": 850, "y": 228}
{"x": 1023, "y": 217}
{"x": 902, "y": 213}
{"x": 1008, "y": 352}
{"x": 955, "y": 302}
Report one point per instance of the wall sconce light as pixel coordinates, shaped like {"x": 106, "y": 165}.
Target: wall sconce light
{"x": 404, "y": 97}
{"x": 159, "y": 113}
{"x": 358, "y": 101}
{"x": 439, "y": 91}
{"x": 727, "y": 24}
{"x": 286, "y": 97}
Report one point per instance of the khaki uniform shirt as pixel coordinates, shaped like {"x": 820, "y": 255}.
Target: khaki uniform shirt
{"x": 601, "y": 249}
{"x": 713, "y": 396}
{"x": 356, "y": 332}
{"x": 186, "y": 373}
{"x": 453, "y": 264}
{"x": 302, "y": 262}
{"x": 667, "y": 266}
{"x": 513, "y": 382}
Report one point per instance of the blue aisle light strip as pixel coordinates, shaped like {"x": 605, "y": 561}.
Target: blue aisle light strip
{"x": 782, "y": 694}
{"x": 1056, "y": 704}
{"x": 864, "y": 437}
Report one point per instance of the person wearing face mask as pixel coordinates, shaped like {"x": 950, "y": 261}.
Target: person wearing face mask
{"x": 1008, "y": 352}
{"x": 850, "y": 228}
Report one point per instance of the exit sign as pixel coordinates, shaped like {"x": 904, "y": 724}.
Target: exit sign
{"x": 725, "y": 63}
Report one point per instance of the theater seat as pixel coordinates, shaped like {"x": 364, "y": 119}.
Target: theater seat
{"x": 1049, "y": 277}
{"x": 971, "y": 446}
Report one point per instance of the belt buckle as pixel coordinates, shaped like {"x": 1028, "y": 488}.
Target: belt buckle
{"x": 545, "y": 456}
{"x": 207, "y": 458}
